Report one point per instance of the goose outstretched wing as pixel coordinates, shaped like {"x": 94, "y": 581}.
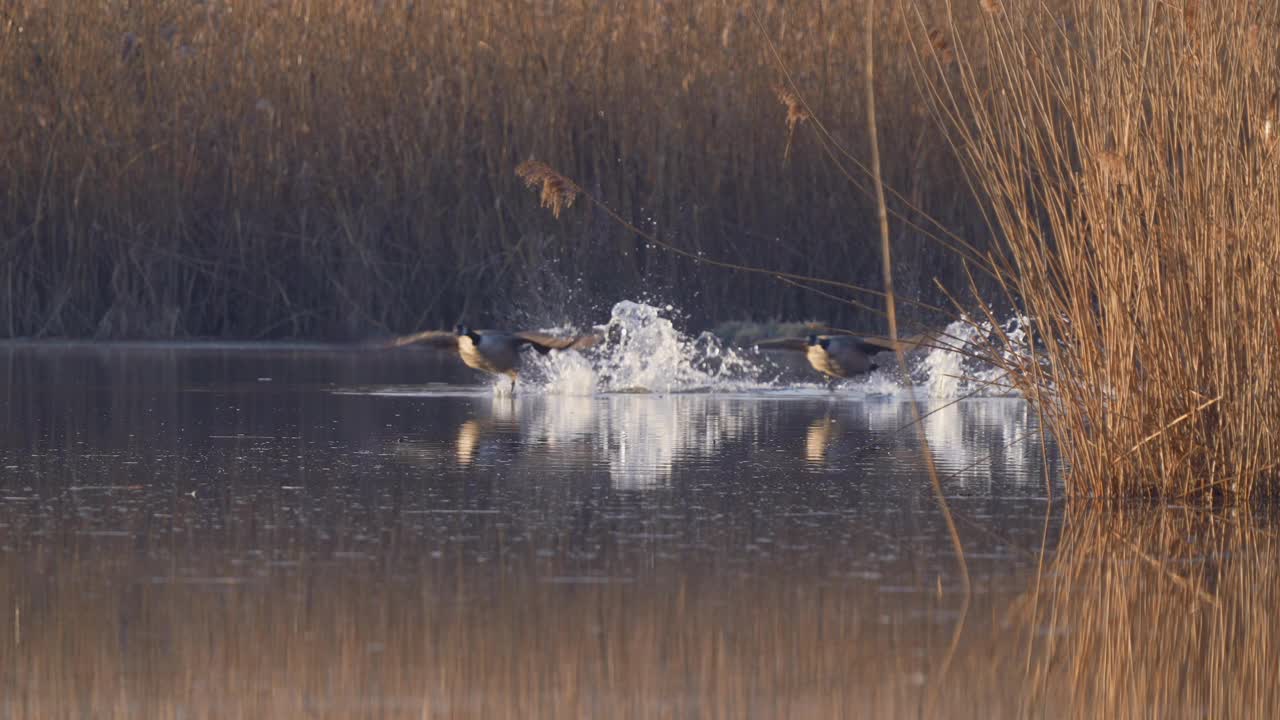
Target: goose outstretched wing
{"x": 543, "y": 342}
{"x": 872, "y": 344}
{"x": 439, "y": 338}
{"x": 800, "y": 344}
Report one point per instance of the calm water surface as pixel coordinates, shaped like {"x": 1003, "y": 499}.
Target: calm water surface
{"x": 293, "y": 532}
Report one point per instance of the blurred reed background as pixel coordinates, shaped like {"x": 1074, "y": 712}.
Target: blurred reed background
{"x": 341, "y": 168}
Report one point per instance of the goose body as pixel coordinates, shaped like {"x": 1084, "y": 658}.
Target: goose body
{"x": 841, "y": 356}
{"x": 495, "y": 351}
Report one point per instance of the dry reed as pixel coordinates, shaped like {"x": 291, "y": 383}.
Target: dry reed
{"x": 1127, "y": 167}
{"x": 556, "y": 191}
{"x": 797, "y": 113}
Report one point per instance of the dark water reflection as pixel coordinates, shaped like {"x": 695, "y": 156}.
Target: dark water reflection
{"x": 269, "y": 534}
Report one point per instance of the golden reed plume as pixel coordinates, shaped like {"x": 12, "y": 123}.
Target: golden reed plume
{"x": 796, "y": 114}
{"x": 940, "y": 46}
{"x": 558, "y": 191}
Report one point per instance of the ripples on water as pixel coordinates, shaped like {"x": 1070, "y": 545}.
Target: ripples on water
{"x": 214, "y": 533}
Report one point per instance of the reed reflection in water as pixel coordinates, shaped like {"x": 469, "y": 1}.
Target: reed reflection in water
{"x": 179, "y": 537}
{"x": 1157, "y": 613}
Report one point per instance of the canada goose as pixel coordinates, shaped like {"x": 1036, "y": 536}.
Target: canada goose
{"x": 841, "y": 356}
{"x": 495, "y": 351}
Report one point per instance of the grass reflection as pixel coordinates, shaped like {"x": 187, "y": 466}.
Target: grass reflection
{"x": 1136, "y": 613}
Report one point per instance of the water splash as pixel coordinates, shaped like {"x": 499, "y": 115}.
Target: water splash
{"x": 643, "y": 351}
{"x": 954, "y": 369}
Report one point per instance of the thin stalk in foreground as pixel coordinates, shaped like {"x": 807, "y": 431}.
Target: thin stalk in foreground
{"x": 882, "y": 216}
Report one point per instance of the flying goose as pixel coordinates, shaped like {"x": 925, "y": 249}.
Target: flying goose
{"x": 495, "y": 351}
{"x": 841, "y": 356}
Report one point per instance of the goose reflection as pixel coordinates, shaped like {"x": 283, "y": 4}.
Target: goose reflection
{"x": 641, "y": 442}
{"x": 467, "y": 442}
{"x": 822, "y": 431}
{"x": 503, "y": 418}
{"x": 464, "y": 450}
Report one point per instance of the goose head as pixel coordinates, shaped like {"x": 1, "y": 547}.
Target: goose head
{"x": 463, "y": 331}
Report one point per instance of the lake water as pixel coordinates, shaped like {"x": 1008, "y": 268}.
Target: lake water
{"x": 248, "y": 532}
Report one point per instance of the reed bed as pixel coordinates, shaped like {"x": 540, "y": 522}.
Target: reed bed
{"x": 298, "y": 168}
{"x": 1127, "y": 156}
